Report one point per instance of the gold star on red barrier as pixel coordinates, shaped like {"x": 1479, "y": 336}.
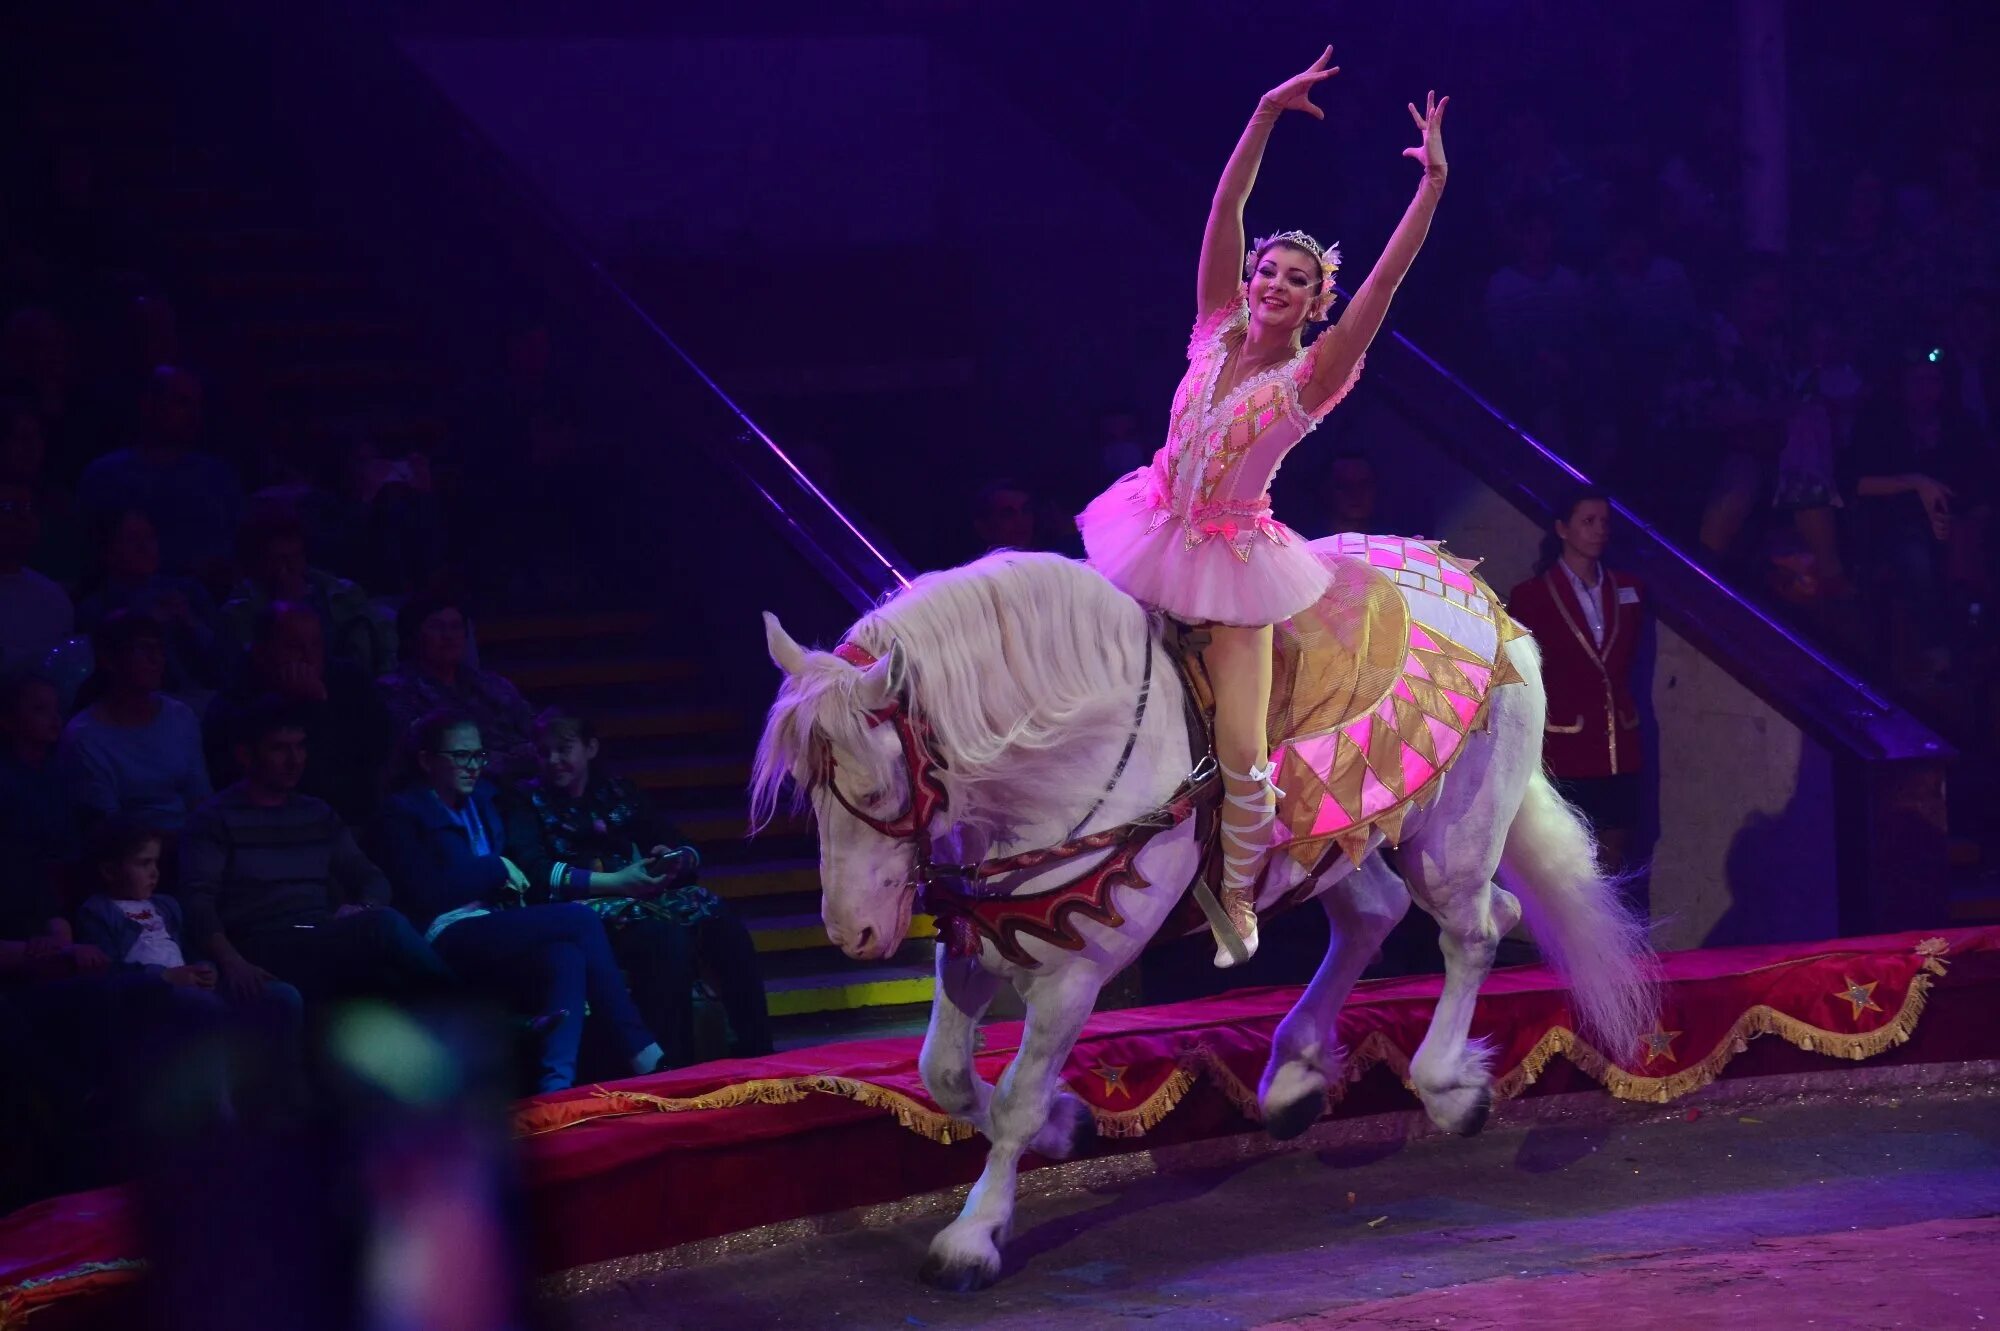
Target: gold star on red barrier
{"x": 1114, "y": 1080}
{"x": 1862, "y": 996}
{"x": 1660, "y": 1044}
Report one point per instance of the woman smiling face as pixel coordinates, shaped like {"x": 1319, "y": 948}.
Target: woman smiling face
{"x": 1284, "y": 283}
{"x": 455, "y": 764}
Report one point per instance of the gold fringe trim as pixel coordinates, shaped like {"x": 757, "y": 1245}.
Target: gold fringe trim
{"x": 1198, "y": 1060}
{"x": 1194, "y": 1063}
{"x": 920, "y": 1119}
{"x": 1756, "y": 1021}
{"x": 1147, "y": 1114}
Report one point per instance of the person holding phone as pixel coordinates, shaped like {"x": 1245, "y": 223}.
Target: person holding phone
{"x": 600, "y": 840}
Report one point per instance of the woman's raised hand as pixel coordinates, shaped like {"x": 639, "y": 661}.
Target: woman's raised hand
{"x": 1430, "y": 124}
{"x": 1295, "y": 93}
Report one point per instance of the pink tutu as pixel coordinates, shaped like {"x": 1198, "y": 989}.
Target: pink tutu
{"x": 1138, "y": 543}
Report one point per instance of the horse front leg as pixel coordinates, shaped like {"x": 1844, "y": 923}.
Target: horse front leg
{"x": 965, "y": 1255}
{"x": 1305, "y": 1052}
{"x": 965, "y": 990}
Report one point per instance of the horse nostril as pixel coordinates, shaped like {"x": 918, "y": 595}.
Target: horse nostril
{"x": 864, "y": 940}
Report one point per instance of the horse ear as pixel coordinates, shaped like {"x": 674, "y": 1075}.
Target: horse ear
{"x": 786, "y": 654}
{"x": 882, "y": 683}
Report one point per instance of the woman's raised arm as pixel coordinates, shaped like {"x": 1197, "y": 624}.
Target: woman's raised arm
{"x": 1337, "y": 352}
{"x": 1220, "y": 273}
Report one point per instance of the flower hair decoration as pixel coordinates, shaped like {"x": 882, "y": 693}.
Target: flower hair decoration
{"x": 1329, "y": 264}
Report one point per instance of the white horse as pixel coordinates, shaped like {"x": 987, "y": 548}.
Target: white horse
{"x": 1021, "y": 674}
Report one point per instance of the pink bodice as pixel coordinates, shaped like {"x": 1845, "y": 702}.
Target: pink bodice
{"x": 1213, "y": 475}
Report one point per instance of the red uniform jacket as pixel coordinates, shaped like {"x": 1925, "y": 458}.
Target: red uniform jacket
{"x": 1593, "y": 724}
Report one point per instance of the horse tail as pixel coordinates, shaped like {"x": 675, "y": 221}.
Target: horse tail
{"x": 1577, "y": 917}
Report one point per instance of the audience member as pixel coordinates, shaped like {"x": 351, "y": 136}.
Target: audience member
{"x": 1537, "y": 320}
{"x": 35, "y": 613}
{"x": 59, "y": 552}
{"x": 1121, "y": 447}
{"x": 37, "y": 823}
{"x": 276, "y": 888}
{"x": 1589, "y": 621}
{"x": 38, "y": 366}
{"x": 434, "y": 675}
{"x": 1924, "y": 479}
{"x": 1644, "y": 308}
{"x": 130, "y": 579}
{"x": 143, "y": 933}
{"x": 1538, "y": 175}
{"x": 1350, "y": 490}
{"x": 1848, "y": 268}
{"x": 1743, "y": 394}
{"x": 62, "y": 1028}
{"x": 1971, "y": 358}
{"x": 127, "y": 918}
{"x": 1954, "y": 222}
{"x": 23, "y": 450}
{"x": 272, "y": 547}
{"x": 130, "y": 749}
{"x": 1818, "y": 436}
{"x": 147, "y": 334}
{"x": 193, "y": 497}
{"x": 396, "y": 505}
{"x": 1003, "y": 517}
{"x": 603, "y": 842}
{"x": 348, "y": 731}
{"x": 1699, "y": 184}
{"x": 444, "y": 841}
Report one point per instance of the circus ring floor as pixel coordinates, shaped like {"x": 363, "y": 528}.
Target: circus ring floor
{"x": 1796, "y": 1103}
{"x": 1840, "y": 1205}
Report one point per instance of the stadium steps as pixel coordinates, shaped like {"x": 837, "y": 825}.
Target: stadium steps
{"x": 666, "y": 728}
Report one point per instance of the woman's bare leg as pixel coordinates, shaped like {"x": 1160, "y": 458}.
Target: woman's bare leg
{"x": 1238, "y": 661}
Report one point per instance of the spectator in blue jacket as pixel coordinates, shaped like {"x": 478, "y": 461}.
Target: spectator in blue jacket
{"x": 444, "y": 843}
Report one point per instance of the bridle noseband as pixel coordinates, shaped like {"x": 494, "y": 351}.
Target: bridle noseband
{"x": 927, "y": 798}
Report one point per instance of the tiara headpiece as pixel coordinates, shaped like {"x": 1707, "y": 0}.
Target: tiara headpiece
{"x": 1328, "y": 256}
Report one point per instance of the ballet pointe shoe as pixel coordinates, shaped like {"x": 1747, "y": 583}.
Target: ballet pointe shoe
{"x": 1243, "y": 850}
{"x": 1242, "y": 913}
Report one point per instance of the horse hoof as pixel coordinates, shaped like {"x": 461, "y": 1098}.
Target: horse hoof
{"x": 955, "y": 1276}
{"x": 1476, "y": 1122}
{"x": 1290, "y": 1120}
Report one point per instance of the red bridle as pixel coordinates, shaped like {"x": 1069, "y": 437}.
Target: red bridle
{"x": 927, "y": 797}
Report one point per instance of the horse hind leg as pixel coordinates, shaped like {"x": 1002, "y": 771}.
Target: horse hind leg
{"x": 1452, "y": 1073}
{"x": 1070, "y": 1131}
{"x": 1305, "y": 1053}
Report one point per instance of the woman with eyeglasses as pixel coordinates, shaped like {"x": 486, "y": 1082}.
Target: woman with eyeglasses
{"x": 444, "y": 844}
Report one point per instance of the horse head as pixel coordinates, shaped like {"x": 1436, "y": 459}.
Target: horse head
{"x": 834, "y": 732}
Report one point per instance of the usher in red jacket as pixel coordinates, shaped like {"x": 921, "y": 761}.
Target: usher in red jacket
{"x": 1593, "y": 724}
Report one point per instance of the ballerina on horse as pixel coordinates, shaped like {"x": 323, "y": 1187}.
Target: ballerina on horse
{"x": 1021, "y": 748}
{"x": 1192, "y": 533}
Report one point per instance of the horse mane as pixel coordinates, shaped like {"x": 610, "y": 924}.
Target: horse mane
{"x": 1011, "y": 658}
